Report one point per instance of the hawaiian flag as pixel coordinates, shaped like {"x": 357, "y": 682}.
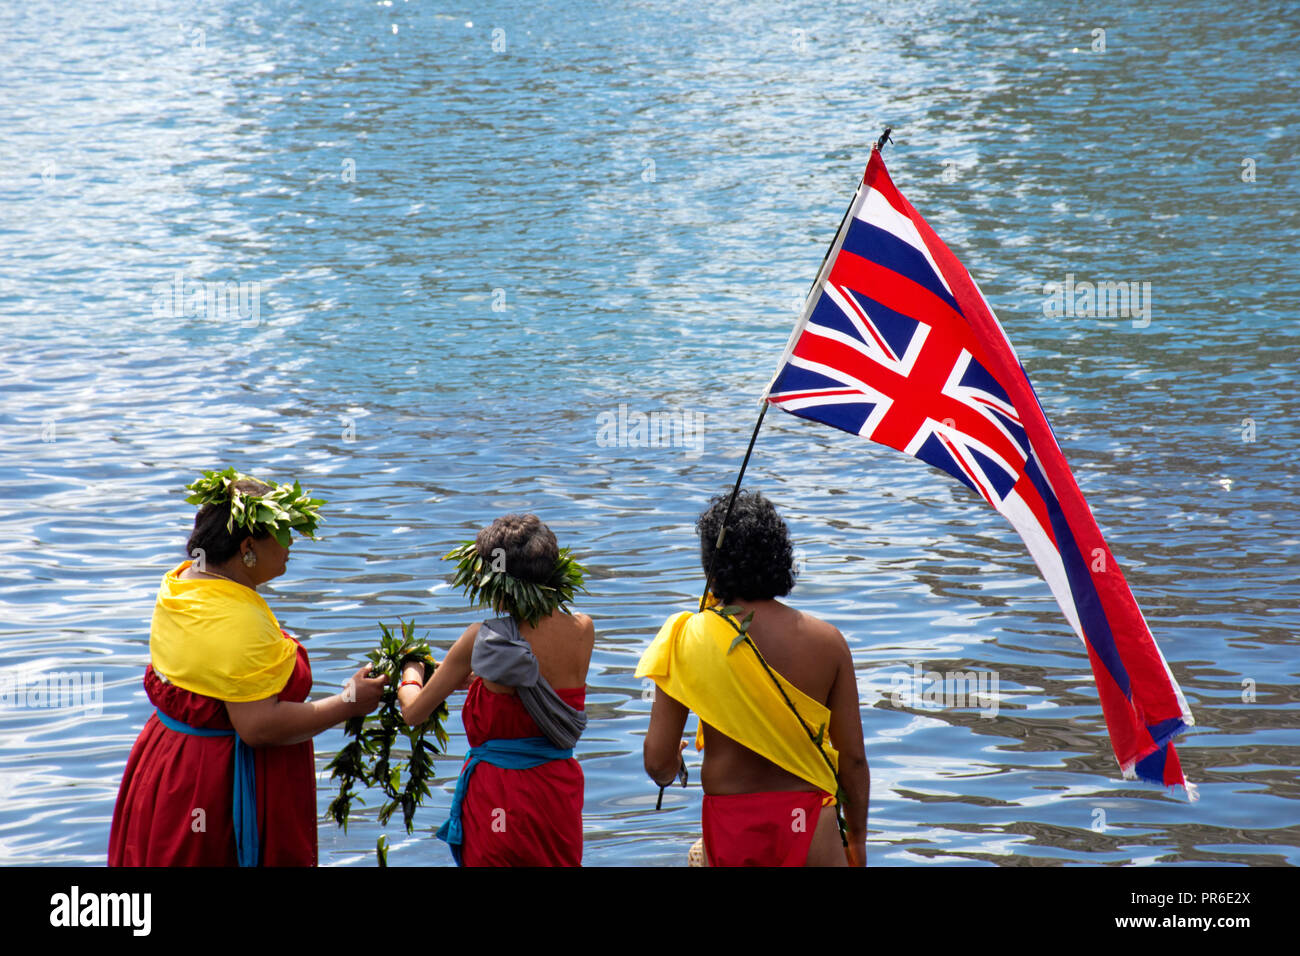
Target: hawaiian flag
{"x": 896, "y": 343}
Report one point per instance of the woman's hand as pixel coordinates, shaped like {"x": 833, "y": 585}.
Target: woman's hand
{"x": 452, "y": 674}
{"x": 364, "y": 692}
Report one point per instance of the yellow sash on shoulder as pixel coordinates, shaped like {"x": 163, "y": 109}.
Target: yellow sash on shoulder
{"x": 218, "y": 638}
{"x": 732, "y": 692}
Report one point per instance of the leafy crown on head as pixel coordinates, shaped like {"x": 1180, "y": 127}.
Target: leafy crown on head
{"x": 530, "y": 601}
{"x": 280, "y": 511}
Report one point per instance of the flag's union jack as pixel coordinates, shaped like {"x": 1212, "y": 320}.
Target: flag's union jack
{"x": 897, "y": 344}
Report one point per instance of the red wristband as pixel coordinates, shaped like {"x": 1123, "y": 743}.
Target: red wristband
{"x": 405, "y": 682}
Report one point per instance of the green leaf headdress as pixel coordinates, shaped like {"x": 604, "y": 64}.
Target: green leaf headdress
{"x": 279, "y": 512}
{"x": 484, "y": 583}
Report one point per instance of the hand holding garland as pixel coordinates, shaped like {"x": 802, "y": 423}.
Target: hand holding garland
{"x": 419, "y": 698}
{"x": 369, "y": 758}
{"x": 418, "y": 702}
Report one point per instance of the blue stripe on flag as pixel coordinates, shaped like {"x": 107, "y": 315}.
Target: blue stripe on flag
{"x": 884, "y": 248}
{"x": 849, "y": 416}
{"x": 1092, "y": 617}
{"x": 1164, "y": 731}
{"x": 1152, "y": 766}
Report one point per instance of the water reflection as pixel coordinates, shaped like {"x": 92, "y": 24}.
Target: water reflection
{"x": 466, "y": 256}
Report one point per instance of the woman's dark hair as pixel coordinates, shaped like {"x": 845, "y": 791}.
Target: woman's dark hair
{"x": 757, "y": 559}
{"x": 210, "y": 535}
{"x": 528, "y": 546}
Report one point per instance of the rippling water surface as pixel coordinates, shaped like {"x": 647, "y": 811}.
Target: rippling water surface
{"x": 471, "y": 233}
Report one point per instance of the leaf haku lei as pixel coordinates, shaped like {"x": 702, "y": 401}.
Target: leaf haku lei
{"x": 485, "y": 582}
{"x": 281, "y": 511}
{"x": 369, "y": 758}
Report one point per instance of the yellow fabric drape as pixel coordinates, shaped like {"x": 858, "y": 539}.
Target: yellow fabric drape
{"x": 732, "y": 692}
{"x": 218, "y": 638}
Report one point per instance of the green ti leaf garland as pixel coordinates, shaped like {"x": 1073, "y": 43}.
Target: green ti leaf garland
{"x": 369, "y": 758}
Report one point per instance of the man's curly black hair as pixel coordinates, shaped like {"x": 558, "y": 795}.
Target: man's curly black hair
{"x": 757, "y": 559}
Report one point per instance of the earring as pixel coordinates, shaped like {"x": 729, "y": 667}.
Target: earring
{"x": 250, "y": 559}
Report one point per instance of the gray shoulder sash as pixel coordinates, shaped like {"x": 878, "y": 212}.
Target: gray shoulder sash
{"x": 502, "y": 656}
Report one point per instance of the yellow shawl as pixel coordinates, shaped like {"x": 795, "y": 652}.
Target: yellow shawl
{"x": 731, "y": 691}
{"x": 218, "y": 638}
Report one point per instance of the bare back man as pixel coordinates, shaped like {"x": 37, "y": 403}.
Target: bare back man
{"x": 766, "y": 706}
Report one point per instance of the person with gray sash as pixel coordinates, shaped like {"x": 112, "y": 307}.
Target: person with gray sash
{"x": 518, "y": 800}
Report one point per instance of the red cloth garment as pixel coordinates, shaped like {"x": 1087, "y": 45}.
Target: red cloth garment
{"x": 170, "y": 776}
{"x": 761, "y": 829}
{"x": 519, "y": 817}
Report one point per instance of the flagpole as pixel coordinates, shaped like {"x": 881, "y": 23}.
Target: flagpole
{"x": 735, "y": 491}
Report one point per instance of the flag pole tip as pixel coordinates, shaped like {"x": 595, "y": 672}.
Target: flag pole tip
{"x": 884, "y": 138}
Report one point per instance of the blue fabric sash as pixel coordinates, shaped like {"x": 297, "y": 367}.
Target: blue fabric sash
{"x": 245, "y": 793}
{"x": 518, "y": 754}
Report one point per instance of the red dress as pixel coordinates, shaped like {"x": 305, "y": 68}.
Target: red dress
{"x": 519, "y": 817}
{"x": 171, "y": 776}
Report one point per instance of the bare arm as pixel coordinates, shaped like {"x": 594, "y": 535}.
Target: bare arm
{"x": 272, "y": 722}
{"x": 419, "y": 702}
{"x": 662, "y": 751}
{"x": 846, "y": 735}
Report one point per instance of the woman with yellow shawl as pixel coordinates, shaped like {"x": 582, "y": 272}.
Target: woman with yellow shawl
{"x": 223, "y": 773}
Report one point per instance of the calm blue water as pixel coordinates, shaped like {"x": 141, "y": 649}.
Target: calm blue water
{"x": 470, "y": 234}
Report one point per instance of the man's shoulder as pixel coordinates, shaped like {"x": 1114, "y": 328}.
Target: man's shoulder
{"x": 811, "y": 626}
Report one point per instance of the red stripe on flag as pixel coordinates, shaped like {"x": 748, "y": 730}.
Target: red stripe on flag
{"x": 791, "y": 396}
{"x": 901, "y": 294}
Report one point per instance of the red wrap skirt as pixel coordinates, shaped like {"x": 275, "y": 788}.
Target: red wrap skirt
{"x": 174, "y": 807}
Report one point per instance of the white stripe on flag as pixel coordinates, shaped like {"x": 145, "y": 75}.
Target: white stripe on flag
{"x": 877, "y": 211}
{"x": 1045, "y": 555}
